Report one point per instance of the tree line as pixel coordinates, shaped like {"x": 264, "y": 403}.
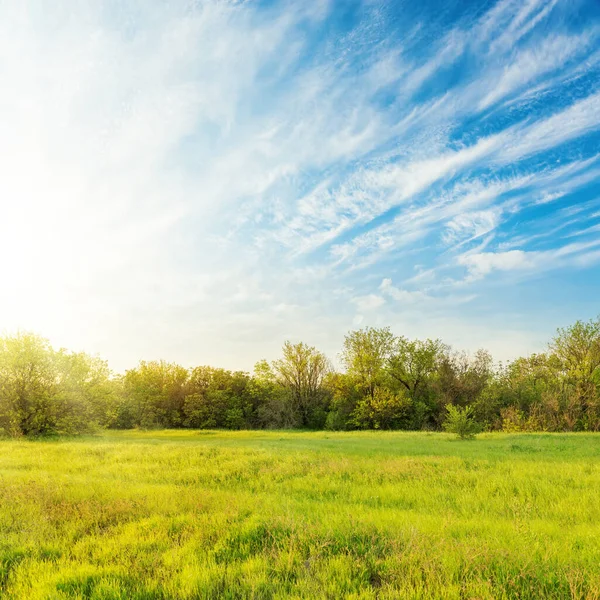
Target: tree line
{"x": 387, "y": 382}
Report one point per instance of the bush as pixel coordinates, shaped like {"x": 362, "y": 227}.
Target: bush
{"x": 461, "y": 422}
{"x": 234, "y": 418}
{"x": 384, "y": 410}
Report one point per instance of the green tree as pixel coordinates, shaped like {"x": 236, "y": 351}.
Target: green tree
{"x": 273, "y": 407}
{"x": 157, "y": 391}
{"x": 219, "y": 398}
{"x": 43, "y": 391}
{"x": 461, "y": 421}
{"x": 85, "y": 397}
{"x": 385, "y": 410}
{"x": 345, "y": 395}
{"x": 413, "y": 365}
{"x": 577, "y": 349}
{"x": 413, "y": 362}
{"x": 302, "y": 371}
{"x": 27, "y": 385}
{"x": 462, "y": 378}
{"x": 365, "y": 355}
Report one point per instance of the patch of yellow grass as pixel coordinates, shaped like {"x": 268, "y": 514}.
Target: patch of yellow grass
{"x": 186, "y": 514}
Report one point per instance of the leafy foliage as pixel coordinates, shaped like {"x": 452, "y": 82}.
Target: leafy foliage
{"x": 461, "y": 422}
{"x": 301, "y": 372}
{"x": 390, "y": 382}
{"x": 43, "y": 391}
{"x": 366, "y": 354}
{"x": 385, "y": 410}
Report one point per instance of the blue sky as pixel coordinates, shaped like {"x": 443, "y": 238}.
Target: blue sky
{"x": 199, "y": 181}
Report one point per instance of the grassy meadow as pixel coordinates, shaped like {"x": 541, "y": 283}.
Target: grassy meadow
{"x": 203, "y": 514}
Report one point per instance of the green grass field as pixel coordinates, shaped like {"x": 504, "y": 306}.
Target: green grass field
{"x": 188, "y": 514}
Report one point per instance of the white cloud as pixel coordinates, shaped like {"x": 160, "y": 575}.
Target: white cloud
{"x": 102, "y": 210}
{"x": 369, "y": 302}
{"x": 576, "y": 120}
{"x": 400, "y": 295}
{"x": 471, "y": 225}
{"x": 484, "y": 263}
{"x": 530, "y": 13}
{"x": 552, "y": 54}
{"x": 202, "y": 180}
{"x": 586, "y": 230}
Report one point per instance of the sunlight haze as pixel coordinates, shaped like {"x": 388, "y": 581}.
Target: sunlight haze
{"x": 200, "y": 181}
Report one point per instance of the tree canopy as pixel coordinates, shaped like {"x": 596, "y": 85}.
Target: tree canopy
{"x": 388, "y": 382}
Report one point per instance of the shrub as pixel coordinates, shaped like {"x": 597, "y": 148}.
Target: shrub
{"x": 461, "y": 422}
{"x": 383, "y": 410}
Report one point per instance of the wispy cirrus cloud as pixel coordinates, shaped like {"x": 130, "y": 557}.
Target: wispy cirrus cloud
{"x": 482, "y": 264}
{"x": 199, "y": 181}
{"x": 553, "y": 54}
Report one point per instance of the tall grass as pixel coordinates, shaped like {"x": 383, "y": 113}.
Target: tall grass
{"x": 183, "y": 514}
